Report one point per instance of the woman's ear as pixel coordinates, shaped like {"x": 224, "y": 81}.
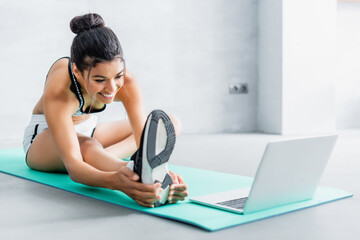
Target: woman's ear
{"x": 76, "y": 71}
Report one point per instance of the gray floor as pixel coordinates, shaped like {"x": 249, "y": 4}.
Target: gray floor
{"x": 31, "y": 210}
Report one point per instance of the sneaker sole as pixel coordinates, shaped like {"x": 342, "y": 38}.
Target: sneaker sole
{"x": 158, "y": 161}
{"x": 153, "y": 159}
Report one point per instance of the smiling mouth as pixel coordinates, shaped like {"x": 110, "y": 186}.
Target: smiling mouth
{"x": 108, "y": 96}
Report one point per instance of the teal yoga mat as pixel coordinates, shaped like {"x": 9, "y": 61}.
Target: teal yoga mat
{"x": 199, "y": 182}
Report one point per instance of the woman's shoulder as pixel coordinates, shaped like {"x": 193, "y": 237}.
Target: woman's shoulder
{"x": 58, "y": 77}
{"x": 59, "y": 66}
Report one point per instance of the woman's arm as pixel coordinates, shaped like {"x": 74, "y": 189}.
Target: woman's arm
{"x": 58, "y": 105}
{"x": 131, "y": 97}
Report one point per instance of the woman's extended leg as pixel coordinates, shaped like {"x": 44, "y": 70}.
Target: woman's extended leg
{"x": 117, "y": 137}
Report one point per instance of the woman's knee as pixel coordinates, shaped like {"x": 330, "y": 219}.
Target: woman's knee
{"x": 88, "y": 145}
{"x": 177, "y": 123}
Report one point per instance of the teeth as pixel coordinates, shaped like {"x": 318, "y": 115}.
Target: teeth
{"x": 106, "y": 95}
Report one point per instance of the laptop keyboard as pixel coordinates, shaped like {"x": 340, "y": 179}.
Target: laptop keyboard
{"x": 237, "y": 203}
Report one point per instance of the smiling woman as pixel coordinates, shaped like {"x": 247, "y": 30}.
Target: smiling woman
{"x": 63, "y": 135}
{"x": 104, "y": 80}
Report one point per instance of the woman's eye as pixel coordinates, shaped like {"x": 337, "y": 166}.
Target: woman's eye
{"x": 99, "y": 80}
{"x": 119, "y": 76}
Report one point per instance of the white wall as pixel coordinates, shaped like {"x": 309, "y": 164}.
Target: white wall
{"x": 270, "y": 67}
{"x": 309, "y": 53}
{"x": 184, "y": 54}
{"x": 297, "y": 66}
{"x": 348, "y": 66}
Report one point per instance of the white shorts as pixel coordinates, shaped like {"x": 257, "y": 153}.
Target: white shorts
{"x": 38, "y": 124}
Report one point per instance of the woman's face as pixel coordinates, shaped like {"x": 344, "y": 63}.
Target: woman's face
{"x": 105, "y": 80}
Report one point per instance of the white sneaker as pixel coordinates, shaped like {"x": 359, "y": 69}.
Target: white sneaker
{"x": 156, "y": 145}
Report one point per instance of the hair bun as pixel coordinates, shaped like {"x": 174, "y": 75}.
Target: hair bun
{"x": 86, "y": 22}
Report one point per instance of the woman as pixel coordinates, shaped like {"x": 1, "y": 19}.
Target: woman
{"x": 63, "y": 136}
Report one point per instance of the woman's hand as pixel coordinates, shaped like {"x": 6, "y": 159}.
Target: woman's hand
{"x": 126, "y": 181}
{"x": 178, "y": 190}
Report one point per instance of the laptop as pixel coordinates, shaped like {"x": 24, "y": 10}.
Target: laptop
{"x": 289, "y": 172}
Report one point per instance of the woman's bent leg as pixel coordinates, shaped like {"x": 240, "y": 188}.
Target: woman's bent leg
{"x": 44, "y": 156}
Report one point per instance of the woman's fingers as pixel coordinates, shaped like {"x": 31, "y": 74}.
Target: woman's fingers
{"x": 130, "y": 174}
{"x": 145, "y": 204}
{"x": 174, "y": 177}
{"x": 178, "y": 193}
{"x": 177, "y": 179}
{"x": 146, "y": 192}
{"x": 175, "y": 199}
{"x": 178, "y": 190}
{"x": 141, "y": 187}
{"x": 178, "y": 187}
{"x": 181, "y": 180}
{"x": 177, "y": 196}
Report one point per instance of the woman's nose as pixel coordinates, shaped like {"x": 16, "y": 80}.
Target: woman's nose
{"x": 112, "y": 85}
